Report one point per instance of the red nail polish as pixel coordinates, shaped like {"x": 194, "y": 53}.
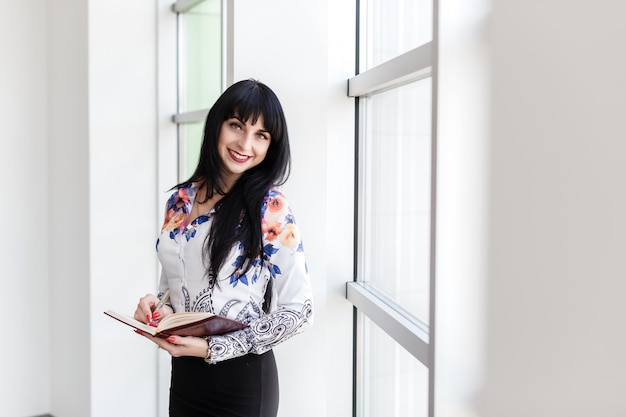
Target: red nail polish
{"x": 156, "y": 315}
{"x": 171, "y": 339}
{"x": 152, "y": 323}
{"x": 148, "y": 318}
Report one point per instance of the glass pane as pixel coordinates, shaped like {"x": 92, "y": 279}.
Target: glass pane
{"x": 394, "y": 382}
{"x": 392, "y": 27}
{"x": 395, "y": 190}
{"x": 189, "y": 142}
{"x": 200, "y": 71}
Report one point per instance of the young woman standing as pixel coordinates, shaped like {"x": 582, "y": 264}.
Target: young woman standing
{"x": 229, "y": 245}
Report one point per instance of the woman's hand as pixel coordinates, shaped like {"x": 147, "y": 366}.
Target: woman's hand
{"x": 145, "y": 310}
{"x": 180, "y": 345}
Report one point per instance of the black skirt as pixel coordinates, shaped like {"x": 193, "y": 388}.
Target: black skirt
{"x": 241, "y": 387}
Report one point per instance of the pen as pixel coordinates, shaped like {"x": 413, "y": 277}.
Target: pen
{"x": 162, "y": 302}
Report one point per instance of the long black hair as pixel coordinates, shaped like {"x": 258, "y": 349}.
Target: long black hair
{"x": 237, "y": 218}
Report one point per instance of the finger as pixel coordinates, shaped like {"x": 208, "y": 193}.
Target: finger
{"x": 187, "y": 346}
{"x": 147, "y": 304}
{"x": 143, "y": 312}
{"x": 179, "y": 345}
{"x": 159, "y": 341}
{"x": 159, "y": 314}
{"x": 144, "y": 334}
{"x": 156, "y": 340}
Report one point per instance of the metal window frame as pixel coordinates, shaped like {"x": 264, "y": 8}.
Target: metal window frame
{"x": 228, "y": 7}
{"x": 183, "y": 6}
{"x": 411, "y": 66}
{"x": 190, "y": 116}
{"x": 402, "y": 329}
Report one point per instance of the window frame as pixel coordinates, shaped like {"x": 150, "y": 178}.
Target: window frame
{"x": 181, "y": 118}
{"x": 182, "y": 6}
{"x": 410, "y": 66}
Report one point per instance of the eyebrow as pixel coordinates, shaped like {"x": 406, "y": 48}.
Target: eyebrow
{"x": 235, "y": 116}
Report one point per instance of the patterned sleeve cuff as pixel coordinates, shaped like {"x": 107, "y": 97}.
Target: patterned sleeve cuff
{"x": 263, "y": 334}
{"x": 229, "y": 345}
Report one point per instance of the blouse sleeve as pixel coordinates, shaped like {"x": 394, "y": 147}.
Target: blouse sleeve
{"x": 291, "y": 309}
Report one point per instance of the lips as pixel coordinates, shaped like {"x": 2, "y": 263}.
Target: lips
{"x": 237, "y": 157}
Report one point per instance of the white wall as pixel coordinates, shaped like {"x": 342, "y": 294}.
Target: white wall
{"x": 305, "y": 53}
{"x": 69, "y": 222}
{"x": 531, "y": 209}
{"x": 557, "y": 225}
{"x": 79, "y": 159}
{"x": 25, "y": 364}
{"x": 124, "y": 214}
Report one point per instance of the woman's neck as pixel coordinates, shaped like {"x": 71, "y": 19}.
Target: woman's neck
{"x": 203, "y": 203}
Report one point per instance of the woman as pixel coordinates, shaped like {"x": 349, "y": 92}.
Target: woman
{"x": 230, "y": 246}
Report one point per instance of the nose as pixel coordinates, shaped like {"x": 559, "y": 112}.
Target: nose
{"x": 246, "y": 140}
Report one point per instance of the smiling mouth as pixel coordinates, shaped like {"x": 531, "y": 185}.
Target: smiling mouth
{"x": 237, "y": 156}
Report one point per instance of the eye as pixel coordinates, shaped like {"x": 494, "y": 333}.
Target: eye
{"x": 235, "y": 125}
{"x": 262, "y": 136}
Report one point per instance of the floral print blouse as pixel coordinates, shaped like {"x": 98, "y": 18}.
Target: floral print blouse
{"x": 238, "y": 294}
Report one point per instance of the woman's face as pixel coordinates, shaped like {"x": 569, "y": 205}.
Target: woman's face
{"x": 242, "y": 146}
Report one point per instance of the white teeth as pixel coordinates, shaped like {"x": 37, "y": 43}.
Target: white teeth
{"x": 238, "y": 156}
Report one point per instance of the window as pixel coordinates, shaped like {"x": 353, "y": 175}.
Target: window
{"x": 203, "y": 71}
{"x": 392, "y": 27}
{"x": 393, "y": 290}
{"x": 395, "y": 194}
{"x": 393, "y": 382}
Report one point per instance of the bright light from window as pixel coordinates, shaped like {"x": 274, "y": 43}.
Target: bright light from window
{"x": 396, "y": 196}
